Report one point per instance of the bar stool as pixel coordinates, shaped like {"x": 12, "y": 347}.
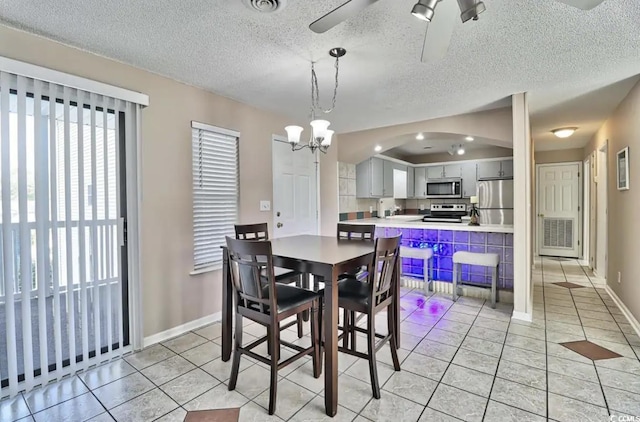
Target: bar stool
{"x": 427, "y": 256}
{"x": 481, "y": 259}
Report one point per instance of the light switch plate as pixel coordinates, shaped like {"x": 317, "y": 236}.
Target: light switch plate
{"x": 265, "y": 205}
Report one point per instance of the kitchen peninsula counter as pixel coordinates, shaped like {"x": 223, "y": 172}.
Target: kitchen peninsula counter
{"x": 407, "y": 223}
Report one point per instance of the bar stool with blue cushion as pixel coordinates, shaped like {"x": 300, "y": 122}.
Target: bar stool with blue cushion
{"x": 426, "y": 254}
{"x": 491, "y": 260}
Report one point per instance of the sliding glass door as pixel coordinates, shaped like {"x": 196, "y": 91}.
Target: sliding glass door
{"x": 63, "y": 285}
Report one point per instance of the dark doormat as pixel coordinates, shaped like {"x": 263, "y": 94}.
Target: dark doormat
{"x": 218, "y": 415}
{"x": 568, "y": 285}
{"x": 590, "y": 350}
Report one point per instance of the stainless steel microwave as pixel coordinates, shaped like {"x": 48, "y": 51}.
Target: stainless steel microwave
{"x": 444, "y": 188}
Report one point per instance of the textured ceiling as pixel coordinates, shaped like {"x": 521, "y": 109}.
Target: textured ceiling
{"x": 541, "y": 46}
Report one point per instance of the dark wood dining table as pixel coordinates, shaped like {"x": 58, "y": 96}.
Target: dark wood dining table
{"x": 324, "y": 257}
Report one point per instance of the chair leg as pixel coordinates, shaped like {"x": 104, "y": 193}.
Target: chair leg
{"x": 347, "y": 327}
{"x": 315, "y": 339}
{"x": 352, "y": 329}
{"x": 456, "y": 271}
{"x": 494, "y": 287}
{"x": 299, "y": 323}
{"x": 235, "y": 366}
{"x": 371, "y": 346}
{"x": 273, "y": 387}
{"x": 391, "y": 326}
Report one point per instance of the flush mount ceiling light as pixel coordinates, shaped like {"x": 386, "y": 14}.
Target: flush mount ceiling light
{"x": 424, "y": 9}
{"x": 378, "y": 148}
{"x": 420, "y": 137}
{"x": 564, "y": 132}
{"x": 320, "y": 137}
{"x": 469, "y": 139}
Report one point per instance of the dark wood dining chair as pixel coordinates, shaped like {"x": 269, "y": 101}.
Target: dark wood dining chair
{"x": 260, "y": 231}
{"x": 268, "y": 305}
{"x": 355, "y": 232}
{"x": 377, "y": 294}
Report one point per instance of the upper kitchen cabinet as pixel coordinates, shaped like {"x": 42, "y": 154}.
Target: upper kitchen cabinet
{"x": 444, "y": 172}
{"x": 495, "y": 169}
{"x": 420, "y": 182}
{"x": 374, "y": 178}
{"x": 410, "y": 182}
{"x": 469, "y": 179}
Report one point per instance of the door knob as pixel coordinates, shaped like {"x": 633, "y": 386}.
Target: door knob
{"x": 279, "y": 225}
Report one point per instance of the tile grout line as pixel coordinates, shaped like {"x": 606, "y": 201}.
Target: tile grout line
{"x": 546, "y": 344}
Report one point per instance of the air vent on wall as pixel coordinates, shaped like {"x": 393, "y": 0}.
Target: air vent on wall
{"x": 558, "y": 233}
{"x": 265, "y": 6}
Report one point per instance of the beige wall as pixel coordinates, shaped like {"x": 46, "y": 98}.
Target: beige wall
{"x": 492, "y": 124}
{"x": 559, "y": 156}
{"x": 491, "y": 152}
{"x": 170, "y": 296}
{"x": 622, "y": 129}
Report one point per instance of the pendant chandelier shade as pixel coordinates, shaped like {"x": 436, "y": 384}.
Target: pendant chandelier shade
{"x": 320, "y": 136}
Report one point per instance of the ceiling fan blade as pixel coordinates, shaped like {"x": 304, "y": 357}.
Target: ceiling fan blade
{"x": 340, "y": 14}
{"x": 439, "y": 31}
{"x": 582, "y": 4}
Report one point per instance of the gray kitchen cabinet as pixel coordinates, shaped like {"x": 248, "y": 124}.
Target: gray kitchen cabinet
{"x": 420, "y": 182}
{"x": 435, "y": 172}
{"x": 387, "y": 185}
{"x": 469, "y": 179}
{"x": 495, "y": 169}
{"x": 444, "y": 172}
{"x": 410, "y": 182}
{"x": 507, "y": 168}
{"x": 370, "y": 178}
{"x": 374, "y": 178}
{"x": 452, "y": 170}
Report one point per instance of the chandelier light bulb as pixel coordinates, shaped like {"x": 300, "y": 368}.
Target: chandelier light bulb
{"x": 420, "y": 137}
{"x": 461, "y": 151}
{"x": 326, "y": 141}
{"x": 319, "y": 128}
{"x": 293, "y": 134}
{"x": 469, "y": 139}
{"x": 378, "y": 148}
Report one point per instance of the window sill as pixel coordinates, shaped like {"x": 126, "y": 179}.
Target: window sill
{"x": 206, "y": 270}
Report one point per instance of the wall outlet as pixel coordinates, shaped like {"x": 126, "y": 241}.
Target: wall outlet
{"x": 421, "y": 207}
{"x": 619, "y": 277}
{"x": 370, "y": 209}
{"x": 265, "y": 205}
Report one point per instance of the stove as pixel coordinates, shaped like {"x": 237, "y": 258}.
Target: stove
{"x": 446, "y": 213}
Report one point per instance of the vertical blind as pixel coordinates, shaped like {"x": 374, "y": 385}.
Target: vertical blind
{"x": 215, "y": 192}
{"x": 61, "y": 291}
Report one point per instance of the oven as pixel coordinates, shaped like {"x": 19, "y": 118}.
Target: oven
{"x": 444, "y": 188}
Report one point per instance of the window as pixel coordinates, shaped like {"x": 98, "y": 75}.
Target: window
{"x": 215, "y": 192}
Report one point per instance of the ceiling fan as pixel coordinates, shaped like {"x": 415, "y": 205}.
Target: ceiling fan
{"x": 440, "y": 23}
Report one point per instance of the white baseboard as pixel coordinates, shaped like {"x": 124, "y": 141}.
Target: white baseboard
{"x": 626, "y": 312}
{"x": 181, "y": 329}
{"x": 583, "y": 262}
{"x": 522, "y": 316}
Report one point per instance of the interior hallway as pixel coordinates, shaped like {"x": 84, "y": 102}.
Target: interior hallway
{"x": 459, "y": 361}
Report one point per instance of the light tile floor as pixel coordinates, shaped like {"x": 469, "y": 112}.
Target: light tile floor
{"x": 460, "y": 360}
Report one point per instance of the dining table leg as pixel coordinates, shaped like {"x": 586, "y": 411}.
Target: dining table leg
{"x": 227, "y": 307}
{"x": 331, "y": 342}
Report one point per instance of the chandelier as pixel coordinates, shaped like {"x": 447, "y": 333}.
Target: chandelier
{"x": 320, "y": 136}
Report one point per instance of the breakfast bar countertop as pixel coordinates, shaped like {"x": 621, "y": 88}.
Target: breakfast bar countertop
{"x": 415, "y": 222}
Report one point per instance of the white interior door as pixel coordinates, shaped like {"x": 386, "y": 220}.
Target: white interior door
{"x": 559, "y": 210}
{"x": 601, "y": 215}
{"x": 295, "y": 191}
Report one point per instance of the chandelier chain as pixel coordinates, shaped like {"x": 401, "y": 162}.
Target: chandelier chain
{"x": 315, "y": 91}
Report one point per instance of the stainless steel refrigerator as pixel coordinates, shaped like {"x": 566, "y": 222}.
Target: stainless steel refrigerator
{"x": 495, "y": 201}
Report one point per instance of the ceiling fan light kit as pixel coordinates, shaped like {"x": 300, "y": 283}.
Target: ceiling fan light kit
{"x": 424, "y": 9}
{"x": 470, "y": 9}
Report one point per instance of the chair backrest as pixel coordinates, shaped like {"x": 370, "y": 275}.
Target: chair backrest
{"x": 258, "y": 231}
{"x": 364, "y": 232}
{"x": 385, "y": 259}
{"x": 251, "y": 263}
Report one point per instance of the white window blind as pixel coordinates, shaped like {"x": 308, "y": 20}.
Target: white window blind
{"x": 215, "y": 192}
